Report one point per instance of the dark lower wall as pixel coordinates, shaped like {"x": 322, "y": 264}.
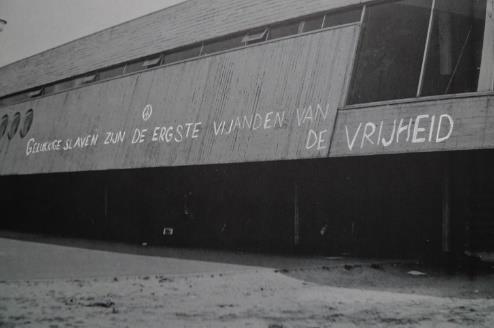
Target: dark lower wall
{"x": 386, "y": 206}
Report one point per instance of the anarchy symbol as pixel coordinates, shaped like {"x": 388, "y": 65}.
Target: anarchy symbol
{"x": 147, "y": 112}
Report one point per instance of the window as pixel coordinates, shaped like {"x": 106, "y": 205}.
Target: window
{"x": 65, "y": 85}
{"x": 28, "y": 121}
{"x": 152, "y": 62}
{"x": 282, "y": 30}
{"x": 391, "y": 51}
{"x": 182, "y": 54}
{"x": 11, "y": 100}
{"x": 14, "y": 126}
{"x": 87, "y": 79}
{"x": 255, "y": 37}
{"x": 134, "y": 67}
{"x": 313, "y": 23}
{"x": 35, "y": 93}
{"x": 141, "y": 65}
{"x": 111, "y": 72}
{"x": 343, "y": 17}
{"x": 223, "y": 44}
{"x": 455, "y": 48}
{"x": 3, "y": 125}
{"x": 49, "y": 89}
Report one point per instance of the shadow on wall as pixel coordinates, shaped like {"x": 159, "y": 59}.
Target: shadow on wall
{"x": 384, "y": 206}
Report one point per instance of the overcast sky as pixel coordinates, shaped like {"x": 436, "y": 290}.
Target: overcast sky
{"x": 37, "y": 25}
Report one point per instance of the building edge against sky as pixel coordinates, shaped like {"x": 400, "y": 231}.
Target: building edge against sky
{"x": 305, "y": 96}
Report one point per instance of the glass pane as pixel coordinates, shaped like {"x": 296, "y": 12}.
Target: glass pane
{"x": 456, "y": 47}
{"x": 152, "y": 62}
{"x": 35, "y": 93}
{"x": 343, "y": 17}
{"x": 221, "y": 45}
{"x": 14, "y": 126}
{"x": 28, "y": 121}
{"x": 135, "y": 67}
{"x": 391, "y": 51}
{"x": 314, "y": 23}
{"x": 49, "y": 89}
{"x": 15, "y": 99}
{"x": 280, "y": 31}
{"x": 3, "y": 125}
{"x": 182, "y": 55}
{"x": 255, "y": 37}
{"x": 111, "y": 72}
{"x": 63, "y": 85}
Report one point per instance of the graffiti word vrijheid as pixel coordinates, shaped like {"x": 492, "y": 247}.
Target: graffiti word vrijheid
{"x": 420, "y": 129}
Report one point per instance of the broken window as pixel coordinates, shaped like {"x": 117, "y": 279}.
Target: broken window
{"x": 392, "y": 45}
{"x": 455, "y": 48}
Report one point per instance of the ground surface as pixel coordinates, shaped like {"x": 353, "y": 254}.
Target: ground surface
{"x": 49, "y": 285}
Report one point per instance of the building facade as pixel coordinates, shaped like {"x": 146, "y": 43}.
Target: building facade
{"x": 347, "y": 126}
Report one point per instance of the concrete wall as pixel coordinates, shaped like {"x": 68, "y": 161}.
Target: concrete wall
{"x": 270, "y": 101}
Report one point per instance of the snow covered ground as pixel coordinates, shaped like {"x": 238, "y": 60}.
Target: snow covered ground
{"x": 125, "y": 290}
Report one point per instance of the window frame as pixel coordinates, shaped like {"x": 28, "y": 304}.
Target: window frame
{"x": 486, "y": 76}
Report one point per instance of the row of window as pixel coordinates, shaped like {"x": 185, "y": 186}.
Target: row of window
{"x": 277, "y": 31}
{"x": 413, "y": 48}
{"x": 408, "y": 48}
{"x": 9, "y": 128}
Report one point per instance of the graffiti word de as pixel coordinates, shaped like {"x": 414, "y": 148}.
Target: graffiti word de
{"x": 139, "y": 136}
{"x": 147, "y": 112}
{"x": 420, "y": 129}
{"x": 176, "y": 133}
{"x": 258, "y": 121}
{"x": 316, "y": 140}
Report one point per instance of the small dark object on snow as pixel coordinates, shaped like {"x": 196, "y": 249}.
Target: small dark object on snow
{"x": 162, "y": 280}
{"x": 106, "y": 304}
{"x": 275, "y": 325}
{"x": 376, "y": 266}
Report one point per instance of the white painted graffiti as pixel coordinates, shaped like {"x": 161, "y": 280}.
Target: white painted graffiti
{"x": 310, "y": 115}
{"x": 258, "y": 121}
{"x": 147, "y": 112}
{"x": 420, "y": 129}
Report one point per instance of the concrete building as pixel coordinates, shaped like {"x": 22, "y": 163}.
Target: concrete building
{"x": 347, "y": 126}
